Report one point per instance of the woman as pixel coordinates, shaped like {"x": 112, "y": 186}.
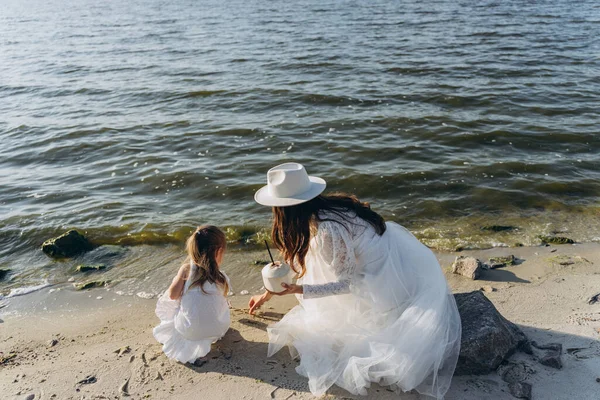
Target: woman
{"x": 374, "y": 303}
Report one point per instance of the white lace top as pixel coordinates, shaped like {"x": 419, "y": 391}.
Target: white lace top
{"x": 334, "y": 243}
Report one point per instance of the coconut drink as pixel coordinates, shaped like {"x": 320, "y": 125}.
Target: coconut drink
{"x": 276, "y": 273}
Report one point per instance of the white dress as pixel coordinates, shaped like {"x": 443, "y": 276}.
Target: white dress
{"x": 374, "y": 309}
{"x": 190, "y": 325}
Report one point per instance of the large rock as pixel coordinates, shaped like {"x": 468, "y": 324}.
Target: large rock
{"x": 467, "y": 266}
{"x": 67, "y": 245}
{"x": 487, "y": 337}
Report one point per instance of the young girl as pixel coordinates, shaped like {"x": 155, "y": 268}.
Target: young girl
{"x": 194, "y": 312}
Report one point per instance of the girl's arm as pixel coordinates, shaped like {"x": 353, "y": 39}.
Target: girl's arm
{"x": 259, "y": 300}
{"x": 175, "y": 291}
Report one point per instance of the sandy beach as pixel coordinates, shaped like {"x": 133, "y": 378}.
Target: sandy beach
{"x": 63, "y": 344}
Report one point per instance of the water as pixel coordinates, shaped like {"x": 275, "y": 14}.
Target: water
{"x": 135, "y": 121}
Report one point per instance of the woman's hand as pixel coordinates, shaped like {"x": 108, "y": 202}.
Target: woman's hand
{"x": 290, "y": 289}
{"x": 258, "y": 300}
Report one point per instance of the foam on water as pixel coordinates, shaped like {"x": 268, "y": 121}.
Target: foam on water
{"x": 25, "y": 290}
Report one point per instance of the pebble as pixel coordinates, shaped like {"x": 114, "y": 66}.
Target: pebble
{"x": 244, "y": 292}
{"x": 52, "y": 343}
{"x": 145, "y": 295}
{"x": 71, "y": 279}
{"x": 99, "y": 298}
{"x": 520, "y": 390}
{"x": 488, "y": 289}
{"x": 30, "y": 397}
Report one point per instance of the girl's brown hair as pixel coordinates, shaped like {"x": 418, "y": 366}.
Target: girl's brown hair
{"x": 293, "y": 226}
{"x": 203, "y": 247}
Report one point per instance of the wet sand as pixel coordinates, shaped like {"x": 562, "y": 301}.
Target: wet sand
{"x": 62, "y": 344}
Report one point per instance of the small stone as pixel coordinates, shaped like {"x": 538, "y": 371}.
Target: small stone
{"x": 555, "y": 240}
{"x": 52, "y": 343}
{"x": 467, "y": 266}
{"x": 30, "y": 397}
{"x": 99, "y": 298}
{"x": 488, "y": 289}
{"x": 552, "y": 360}
{"x": 88, "y": 268}
{"x": 131, "y": 358}
{"x": 598, "y": 379}
{"x": 499, "y": 262}
{"x": 520, "y": 390}
{"x": 244, "y": 292}
{"x": 158, "y": 376}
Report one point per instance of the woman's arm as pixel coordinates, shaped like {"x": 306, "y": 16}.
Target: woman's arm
{"x": 336, "y": 253}
{"x": 175, "y": 291}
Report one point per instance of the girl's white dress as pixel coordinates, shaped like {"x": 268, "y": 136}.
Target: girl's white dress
{"x": 190, "y": 325}
{"x": 374, "y": 309}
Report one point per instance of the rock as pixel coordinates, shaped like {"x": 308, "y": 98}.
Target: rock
{"x": 52, "y": 343}
{"x": 4, "y": 272}
{"x": 498, "y": 228}
{"x": 488, "y": 289}
{"x": 467, "y": 266}
{"x": 30, "y": 397}
{"x": 552, "y": 360}
{"x": 87, "y": 267}
{"x": 555, "y": 240}
{"x": 499, "y": 262}
{"x": 487, "y": 337}
{"x": 598, "y": 379}
{"x": 520, "y": 390}
{"x": 158, "y": 377}
{"x": 90, "y": 285}
{"x": 67, "y": 245}
{"x": 512, "y": 372}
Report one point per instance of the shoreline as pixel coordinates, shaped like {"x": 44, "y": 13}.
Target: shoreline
{"x": 546, "y": 299}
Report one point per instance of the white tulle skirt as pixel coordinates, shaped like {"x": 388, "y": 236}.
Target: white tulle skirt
{"x": 189, "y": 326}
{"x": 399, "y": 326}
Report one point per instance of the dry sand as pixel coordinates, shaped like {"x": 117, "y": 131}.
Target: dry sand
{"x": 60, "y": 338}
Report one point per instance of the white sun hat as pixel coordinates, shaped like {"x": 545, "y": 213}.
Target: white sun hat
{"x": 287, "y": 185}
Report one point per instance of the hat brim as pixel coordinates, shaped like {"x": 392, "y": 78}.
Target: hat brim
{"x": 317, "y": 185}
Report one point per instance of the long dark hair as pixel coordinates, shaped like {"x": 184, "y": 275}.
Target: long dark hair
{"x": 291, "y": 231}
{"x": 203, "y": 247}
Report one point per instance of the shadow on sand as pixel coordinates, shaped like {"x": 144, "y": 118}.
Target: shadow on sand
{"x": 237, "y": 356}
